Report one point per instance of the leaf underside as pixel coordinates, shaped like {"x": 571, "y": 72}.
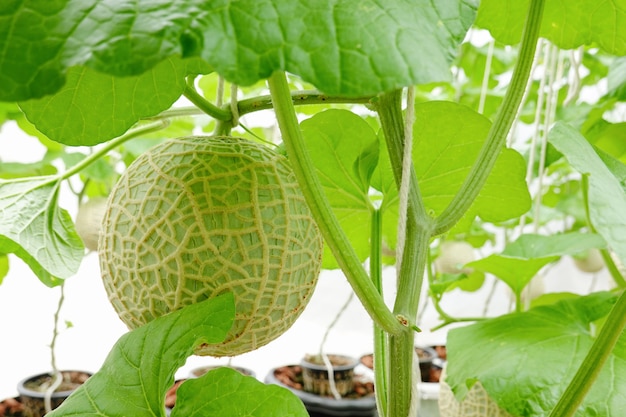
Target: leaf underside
{"x": 352, "y": 47}
{"x": 528, "y": 359}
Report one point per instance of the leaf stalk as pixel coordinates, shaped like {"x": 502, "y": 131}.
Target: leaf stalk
{"x": 499, "y": 130}
{"x": 320, "y": 208}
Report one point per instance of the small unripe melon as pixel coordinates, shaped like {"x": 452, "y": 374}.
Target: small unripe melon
{"x": 89, "y": 221}
{"x": 195, "y": 217}
{"x": 454, "y": 255}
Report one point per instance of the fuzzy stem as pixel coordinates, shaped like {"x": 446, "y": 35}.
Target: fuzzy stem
{"x": 501, "y": 126}
{"x": 112, "y": 144}
{"x": 205, "y": 105}
{"x": 413, "y": 258}
{"x": 381, "y": 356}
{"x": 57, "y": 376}
{"x": 320, "y": 208}
{"x": 264, "y": 102}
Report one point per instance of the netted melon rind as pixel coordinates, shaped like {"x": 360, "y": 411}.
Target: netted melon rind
{"x": 476, "y": 403}
{"x": 195, "y": 217}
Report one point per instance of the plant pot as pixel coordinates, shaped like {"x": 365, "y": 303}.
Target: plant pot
{"x": 426, "y": 355}
{"x": 316, "y": 378}
{"x": 360, "y": 402}
{"x": 32, "y": 391}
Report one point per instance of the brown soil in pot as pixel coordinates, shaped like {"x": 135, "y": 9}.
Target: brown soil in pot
{"x": 71, "y": 381}
{"x": 291, "y": 376}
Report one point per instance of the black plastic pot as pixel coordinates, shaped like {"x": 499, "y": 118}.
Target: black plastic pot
{"x": 316, "y": 377}
{"x": 322, "y": 406}
{"x": 426, "y": 357}
{"x": 32, "y": 399}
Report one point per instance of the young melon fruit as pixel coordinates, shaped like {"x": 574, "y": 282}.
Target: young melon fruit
{"x": 89, "y": 221}
{"x": 590, "y": 262}
{"x": 453, "y": 256}
{"x": 196, "y": 217}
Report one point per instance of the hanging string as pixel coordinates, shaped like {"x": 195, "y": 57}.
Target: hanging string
{"x": 234, "y": 108}
{"x": 406, "y": 171}
{"x": 219, "y": 100}
{"x": 486, "y": 74}
{"x": 576, "y": 59}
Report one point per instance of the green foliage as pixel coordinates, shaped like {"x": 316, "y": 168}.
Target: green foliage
{"x": 92, "y": 107}
{"x": 35, "y": 228}
{"x": 344, "y": 148}
{"x": 521, "y": 260}
{"x": 219, "y": 392}
{"x": 568, "y": 25}
{"x": 148, "y": 358}
{"x": 444, "y": 153}
{"x": 607, "y": 200}
{"x": 341, "y": 48}
{"x": 548, "y": 344}
{"x": 85, "y": 71}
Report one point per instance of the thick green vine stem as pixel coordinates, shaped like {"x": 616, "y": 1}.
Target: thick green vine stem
{"x": 600, "y": 351}
{"x": 299, "y": 98}
{"x": 320, "y": 208}
{"x": 501, "y": 126}
{"x": 414, "y": 256}
{"x": 381, "y": 355}
{"x": 389, "y": 109}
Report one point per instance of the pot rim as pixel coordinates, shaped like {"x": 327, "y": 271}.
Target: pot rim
{"x": 22, "y": 390}
{"x": 352, "y": 363}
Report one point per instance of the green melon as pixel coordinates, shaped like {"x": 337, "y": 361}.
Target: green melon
{"x": 196, "y": 217}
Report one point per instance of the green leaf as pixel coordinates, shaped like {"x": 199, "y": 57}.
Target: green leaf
{"x": 607, "y": 199}
{"x": 616, "y": 79}
{"x": 522, "y": 259}
{"x": 9, "y": 170}
{"x": 609, "y": 137}
{"x": 617, "y": 168}
{"x": 344, "y": 150}
{"x": 466, "y": 282}
{"x": 140, "y": 368}
{"x": 515, "y": 272}
{"x": 225, "y": 392}
{"x": 93, "y": 107}
{"x": 448, "y": 138}
{"x": 533, "y": 246}
{"x": 566, "y": 24}
{"x": 386, "y": 195}
{"x": 534, "y": 355}
{"x": 99, "y": 170}
{"x": 352, "y": 47}
{"x": 34, "y": 228}
{"x": 4, "y": 266}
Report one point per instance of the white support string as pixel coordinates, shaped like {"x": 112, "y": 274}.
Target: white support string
{"x": 406, "y": 174}
{"x": 234, "y": 109}
{"x": 219, "y": 99}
